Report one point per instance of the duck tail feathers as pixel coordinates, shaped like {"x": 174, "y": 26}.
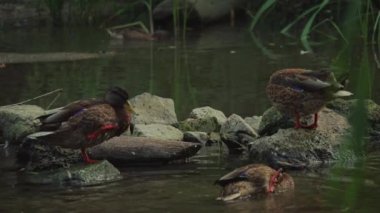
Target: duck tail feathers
{"x": 342, "y": 93}
{"x": 37, "y": 135}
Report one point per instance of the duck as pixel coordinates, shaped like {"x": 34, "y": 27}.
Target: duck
{"x": 86, "y": 123}
{"x": 138, "y": 34}
{"x": 298, "y": 92}
{"x": 253, "y": 180}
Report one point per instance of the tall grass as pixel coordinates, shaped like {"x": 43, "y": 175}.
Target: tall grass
{"x": 355, "y": 59}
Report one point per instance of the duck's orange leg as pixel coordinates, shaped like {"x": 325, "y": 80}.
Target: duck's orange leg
{"x": 85, "y": 156}
{"x": 315, "y": 124}
{"x": 298, "y": 122}
{"x": 94, "y": 135}
{"x": 299, "y": 125}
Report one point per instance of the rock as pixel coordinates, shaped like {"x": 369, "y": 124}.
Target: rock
{"x": 215, "y": 137}
{"x": 38, "y": 156}
{"x": 208, "y": 112}
{"x": 236, "y": 134}
{"x": 300, "y": 148}
{"x": 134, "y": 150}
{"x": 208, "y": 125}
{"x": 17, "y": 121}
{"x": 203, "y": 119}
{"x": 158, "y": 131}
{"x": 272, "y": 120}
{"x": 197, "y": 137}
{"x": 254, "y": 122}
{"x": 151, "y": 109}
{"x": 345, "y": 107}
{"x": 77, "y": 175}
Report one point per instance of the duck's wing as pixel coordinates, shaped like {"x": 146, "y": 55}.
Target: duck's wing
{"x": 53, "y": 120}
{"x": 306, "y": 82}
{"x": 236, "y": 175}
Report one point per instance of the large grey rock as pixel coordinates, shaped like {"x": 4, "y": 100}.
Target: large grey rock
{"x": 305, "y": 147}
{"x": 208, "y": 124}
{"x": 77, "y": 175}
{"x": 126, "y": 149}
{"x": 254, "y": 122}
{"x": 151, "y": 109}
{"x": 17, "y": 121}
{"x": 236, "y": 133}
{"x": 208, "y": 112}
{"x": 158, "y": 131}
{"x": 203, "y": 119}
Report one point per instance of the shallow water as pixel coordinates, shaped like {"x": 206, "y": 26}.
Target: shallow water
{"x": 224, "y": 68}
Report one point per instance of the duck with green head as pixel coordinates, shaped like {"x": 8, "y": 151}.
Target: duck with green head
{"x": 85, "y": 123}
{"x": 300, "y": 92}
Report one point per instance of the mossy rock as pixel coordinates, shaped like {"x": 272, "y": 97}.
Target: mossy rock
{"x": 77, "y": 175}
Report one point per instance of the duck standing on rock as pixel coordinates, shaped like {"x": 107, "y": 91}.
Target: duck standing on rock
{"x": 253, "y": 180}
{"x": 300, "y": 92}
{"x": 85, "y": 123}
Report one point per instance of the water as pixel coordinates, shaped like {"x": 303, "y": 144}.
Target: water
{"x": 224, "y": 68}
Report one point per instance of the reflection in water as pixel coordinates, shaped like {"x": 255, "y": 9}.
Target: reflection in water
{"x": 223, "y": 68}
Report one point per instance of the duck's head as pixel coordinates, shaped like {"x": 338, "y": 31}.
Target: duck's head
{"x": 273, "y": 180}
{"x": 280, "y": 181}
{"x": 118, "y": 97}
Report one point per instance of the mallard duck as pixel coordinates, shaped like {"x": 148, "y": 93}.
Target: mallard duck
{"x": 301, "y": 92}
{"x": 253, "y": 180}
{"x": 85, "y": 123}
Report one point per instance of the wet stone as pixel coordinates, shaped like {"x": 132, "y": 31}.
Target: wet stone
{"x": 77, "y": 175}
{"x": 18, "y": 121}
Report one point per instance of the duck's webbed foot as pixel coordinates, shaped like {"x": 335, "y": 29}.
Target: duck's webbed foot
{"x": 86, "y": 158}
{"x": 299, "y": 125}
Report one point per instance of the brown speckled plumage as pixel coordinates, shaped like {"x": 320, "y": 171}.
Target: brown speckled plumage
{"x": 253, "y": 180}
{"x": 85, "y": 123}
{"x": 300, "y": 92}
{"x": 73, "y": 132}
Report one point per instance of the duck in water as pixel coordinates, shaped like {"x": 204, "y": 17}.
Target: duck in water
{"x": 301, "y": 92}
{"x": 85, "y": 123}
{"x": 253, "y": 180}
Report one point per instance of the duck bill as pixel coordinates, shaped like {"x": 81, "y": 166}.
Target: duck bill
{"x": 130, "y": 111}
{"x": 129, "y": 108}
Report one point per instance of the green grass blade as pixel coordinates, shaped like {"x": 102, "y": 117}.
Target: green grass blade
{"x": 307, "y": 29}
{"x": 376, "y": 30}
{"x": 268, "y": 4}
{"x": 286, "y": 29}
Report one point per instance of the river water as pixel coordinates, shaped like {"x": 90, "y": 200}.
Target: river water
{"x": 222, "y": 67}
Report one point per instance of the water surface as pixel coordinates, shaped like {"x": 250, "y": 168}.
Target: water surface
{"x": 225, "y": 68}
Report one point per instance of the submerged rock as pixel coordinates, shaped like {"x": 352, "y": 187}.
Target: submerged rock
{"x": 138, "y": 150}
{"x": 300, "y": 148}
{"x": 237, "y": 134}
{"x": 158, "y": 131}
{"x": 77, "y": 175}
{"x": 151, "y": 109}
{"x": 17, "y": 121}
